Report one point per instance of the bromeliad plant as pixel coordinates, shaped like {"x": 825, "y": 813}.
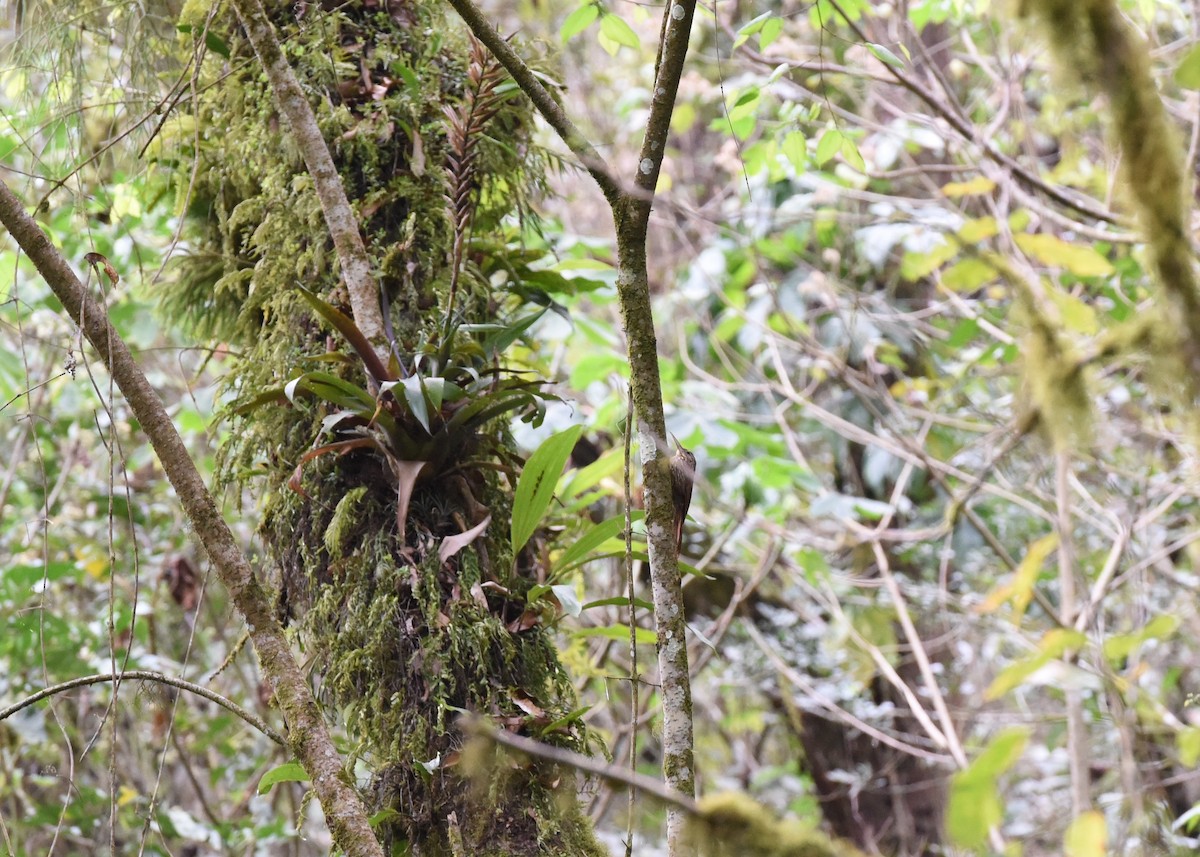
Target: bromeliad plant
{"x": 419, "y": 417}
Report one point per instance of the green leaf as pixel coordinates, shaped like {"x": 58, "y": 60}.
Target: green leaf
{"x": 1086, "y": 836}
{"x": 1188, "y": 73}
{"x": 977, "y": 185}
{"x": 795, "y": 149}
{"x": 974, "y": 807}
{"x": 1187, "y": 743}
{"x": 645, "y": 636}
{"x": 614, "y": 28}
{"x": 1077, "y": 315}
{"x": 884, "y": 55}
{"x": 1054, "y": 644}
{"x": 216, "y": 44}
{"x": 829, "y": 145}
{"x": 770, "y": 32}
{"x": 621, "y": 601}
{"x": 1079, "y": 259}
{"x": 914, "y": 266}
{"x": 979, "y": 229}
{"x": 535, "y": 488}
{"x": 968, "y": 275}
{"x": 290, "y": 772}
{"x": 852, "y": 156}
{"x": 348, "y": 329}
{"x": 592, "y": 538}
{"x": 578, "y": 21}
{"x": 586, "y": 478}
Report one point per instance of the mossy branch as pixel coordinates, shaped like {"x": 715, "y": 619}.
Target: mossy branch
{"x": 339, "y": 216}
{"x": 1095, "y": 42}
{"x": 307, "y": 733}
{"x": 631, "y": 203}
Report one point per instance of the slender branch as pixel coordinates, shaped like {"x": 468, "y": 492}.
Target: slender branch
{"x": 969, "y": 133}
{"x": 588, "y": 765}
{"x": 147, "y": 675}
{"x": 1077, "y": 748}
{"x": 308, "y": 735}
{"x": 550, "y": 109}
{"x": 339, "y": 216}
{"x": 631, "y": 215}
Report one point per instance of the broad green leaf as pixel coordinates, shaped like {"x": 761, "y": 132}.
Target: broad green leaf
{"x": 1078, "y": 259}
{"x": 979, "y": 229}
{"x": 614, "y": 28}
{"x": 645, "y": 636}
{"x": 592, "y": 539}
{"x": 795, "y": 149}
{"x": 884, "y": 55}
{"x": 586, "y": 478}
{"x": 578, "y": 21}
{"x": 914, "y": 266}
{"x": 968, "y": 275}
{"x": 535, "y": 488}
{"x": 829, "y": 145}
{"x": 852, "y": 156}
{"x": 289, "y": 772}
{"x": 972, "y": 187}
{"x": 1188, "y": 73}
{"x": 1086, "y": 836}
{"x": 1077, "y": 316}
{"x": 974, "y": 807}
{"x": 770, "y": 32}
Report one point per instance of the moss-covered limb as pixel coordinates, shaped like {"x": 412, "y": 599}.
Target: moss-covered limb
{"x": 1095, "y": 41}
{"x": 402, "y": 638}
{"x": 631, "y": 214}
{"x": 307, "y": 732}
{"x": 631, "y": 218}
{"x": 343, "y": 225}
{"x": 633, "y": 288}
{"x": 550, "y": 109}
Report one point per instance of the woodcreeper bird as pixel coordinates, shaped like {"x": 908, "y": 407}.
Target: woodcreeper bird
{"x": 683, "y": 476}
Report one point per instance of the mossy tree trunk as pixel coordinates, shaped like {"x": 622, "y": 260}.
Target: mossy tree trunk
{"x": 402, "y": 633}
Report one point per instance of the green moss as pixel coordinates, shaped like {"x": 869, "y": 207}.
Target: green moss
{"x": 401, "y": 639}
{"x": 1097, "y": 44}
{"x": 735, "y": 825}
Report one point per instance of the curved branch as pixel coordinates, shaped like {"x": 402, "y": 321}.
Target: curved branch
{"x": 147, "y": 675}
{"x": 308, "y": 735}
{"x": 967, "y": 130}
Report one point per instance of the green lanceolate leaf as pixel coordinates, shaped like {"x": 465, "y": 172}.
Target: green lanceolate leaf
{"x": 535, "y": 488}
{"x": 348, "y": 329}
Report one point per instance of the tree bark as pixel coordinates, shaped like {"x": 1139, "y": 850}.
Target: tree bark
{"x": 307, "y": 734}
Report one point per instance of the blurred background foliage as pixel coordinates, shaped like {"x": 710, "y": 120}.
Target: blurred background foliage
{"x": 918, "y": 552}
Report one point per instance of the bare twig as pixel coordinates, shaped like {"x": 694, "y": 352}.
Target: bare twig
{"x": 307, "y": 733}
{"x": 147, "y": 675}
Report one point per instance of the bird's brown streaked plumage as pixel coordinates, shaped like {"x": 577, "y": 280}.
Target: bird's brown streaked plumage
{"x": 683, "y": 477}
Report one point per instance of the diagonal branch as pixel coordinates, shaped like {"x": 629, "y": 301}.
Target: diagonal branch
{"x": 339, "y": 216}
{"x": 307, "y": 733}
{"x": 550, "y": 109}
{"x": 631, "y": 204}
